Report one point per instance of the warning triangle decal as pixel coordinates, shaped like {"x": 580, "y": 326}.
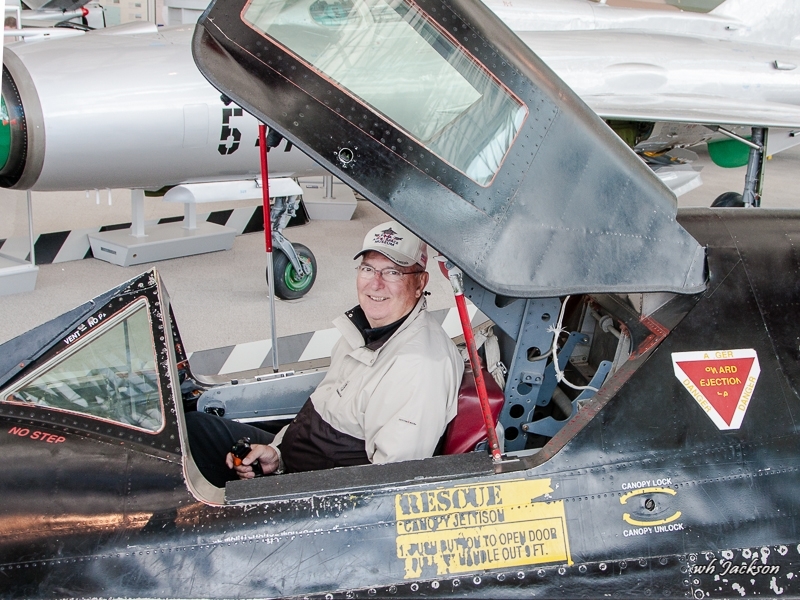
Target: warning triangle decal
{"x": 721, "y": 381}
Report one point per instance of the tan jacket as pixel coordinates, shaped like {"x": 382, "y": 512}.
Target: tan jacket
{"x": 399, "y": 398}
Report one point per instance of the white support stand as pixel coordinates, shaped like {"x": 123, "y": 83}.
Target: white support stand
{"x": 135, "y": 246}
{"x": 328, "y": 179}
{"x": 137, "y": 214}
{"x": 190, "y": 216}
{"x": 327, "y": 199}
{"x": 19, "y": 275}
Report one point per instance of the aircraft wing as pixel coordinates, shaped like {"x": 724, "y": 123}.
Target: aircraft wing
{"x": 694, "y": 108}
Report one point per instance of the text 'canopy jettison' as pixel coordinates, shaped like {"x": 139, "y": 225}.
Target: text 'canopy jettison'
{"x": 475, "y": 145}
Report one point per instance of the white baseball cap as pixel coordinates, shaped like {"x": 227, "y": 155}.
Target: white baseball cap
{"x": 397, "y": 244}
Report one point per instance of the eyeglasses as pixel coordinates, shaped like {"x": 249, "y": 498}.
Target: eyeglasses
{"x": 389, "y": 275}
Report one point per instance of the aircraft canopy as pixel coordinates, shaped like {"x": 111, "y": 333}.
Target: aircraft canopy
{"x": 441, "y": 116}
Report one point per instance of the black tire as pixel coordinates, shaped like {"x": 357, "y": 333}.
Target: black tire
{"x": 288, "y": 286}
{"x": 733, "y": 199}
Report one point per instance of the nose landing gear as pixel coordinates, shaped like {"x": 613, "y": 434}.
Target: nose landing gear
{"x": 294, "y": 275}
{"x": 294, "y": 264}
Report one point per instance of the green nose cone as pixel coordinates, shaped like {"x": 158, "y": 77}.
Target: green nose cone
{"x": 5, "y": 133}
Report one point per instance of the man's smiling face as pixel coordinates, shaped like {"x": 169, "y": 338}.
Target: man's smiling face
{"x": 385, "y": 302}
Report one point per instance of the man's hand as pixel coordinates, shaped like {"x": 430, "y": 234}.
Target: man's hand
{"x": 265, "y": 455}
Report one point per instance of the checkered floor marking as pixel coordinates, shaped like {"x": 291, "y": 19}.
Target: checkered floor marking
{"x": 64, "y": 246}
{"x": 300, "y": 347}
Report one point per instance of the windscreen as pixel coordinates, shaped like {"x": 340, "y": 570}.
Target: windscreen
{"x": 388, "y": 55}
{"x": 110, "y": 374}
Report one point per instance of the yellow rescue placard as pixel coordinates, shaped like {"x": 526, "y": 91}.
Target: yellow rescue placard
{"x": 489, "y": 526}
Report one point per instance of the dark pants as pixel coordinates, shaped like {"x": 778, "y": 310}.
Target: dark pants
{"x": 212, "y": 437}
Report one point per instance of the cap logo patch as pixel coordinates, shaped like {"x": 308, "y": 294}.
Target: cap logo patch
{"x": 387, "y": 237}
{"x": 721, "y": 381}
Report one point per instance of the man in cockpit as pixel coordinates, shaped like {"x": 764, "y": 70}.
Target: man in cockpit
{"x": 388, "y": 395}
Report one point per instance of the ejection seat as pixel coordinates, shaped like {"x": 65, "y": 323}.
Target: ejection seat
{"x": 467, "y": 429}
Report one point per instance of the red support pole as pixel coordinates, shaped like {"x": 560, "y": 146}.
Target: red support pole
{"x": 454, "y": 275}
{"x": 262, "y": 144}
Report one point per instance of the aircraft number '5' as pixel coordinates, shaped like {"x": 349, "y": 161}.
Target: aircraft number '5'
{"x": 230, "y": 136}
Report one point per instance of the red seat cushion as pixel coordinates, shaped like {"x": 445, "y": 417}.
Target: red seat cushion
{"x": 467, "y": 429}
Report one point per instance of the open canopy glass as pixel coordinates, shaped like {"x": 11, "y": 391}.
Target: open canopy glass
{"x": 389, "y": 56}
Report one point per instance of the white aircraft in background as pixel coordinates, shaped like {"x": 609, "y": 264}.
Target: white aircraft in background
{"x": 126, "y": 107}
{"x": 772, "y": 22}
{"x": 129, "y": 108}
{"x": 52, "y": 18}
{"x": 668, "y": 80}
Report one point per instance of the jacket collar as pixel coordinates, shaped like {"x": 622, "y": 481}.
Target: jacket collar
{"x": 368, "y": 352}
{"x": 374, "y": 337}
